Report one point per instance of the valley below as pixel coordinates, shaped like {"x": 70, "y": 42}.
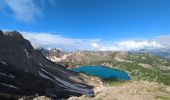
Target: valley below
{"x": 149, "y": 73}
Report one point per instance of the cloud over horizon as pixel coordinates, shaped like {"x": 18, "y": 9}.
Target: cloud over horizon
{"x": 49, "y": 40}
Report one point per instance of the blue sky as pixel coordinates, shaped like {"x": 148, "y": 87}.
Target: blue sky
{"x": 89, "y": 24}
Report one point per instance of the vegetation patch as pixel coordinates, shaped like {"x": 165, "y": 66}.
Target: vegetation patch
{"x": 115, "y": 82}
{"x": 162, "y": 98}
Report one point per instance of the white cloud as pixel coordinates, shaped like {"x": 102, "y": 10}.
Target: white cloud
{"x": 48, "y": 40}
{"x": 95, "y": 45}
{"x": 132, "y": 45}
{"x": 138, "y": 44}
{"x": 24, "y": 10}
{"x": 165, "y": 39}
{"x": 127, "y": 45}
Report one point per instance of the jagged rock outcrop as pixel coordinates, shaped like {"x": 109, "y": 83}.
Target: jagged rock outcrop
{"x": 56, "y": 55}
{"x": 25, "y": 71}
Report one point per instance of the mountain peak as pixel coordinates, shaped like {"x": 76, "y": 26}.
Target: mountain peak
{"x": 18, "y": 58}
{"x": 14, "y": 34}
{"x": 1, "y": 32}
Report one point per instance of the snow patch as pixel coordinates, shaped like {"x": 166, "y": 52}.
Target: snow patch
{"x": 68, "y": 86}
{"x": 11, "y": 76}
{"x": 4, "y": 63}
{"x": 40, "y": 64}
{"x": 3, "y": 74}
{"x": 26, "y": 52}
{"x": 26, "y": 70}
{"x": 44, "y": 76}
{"x": 11, "y": 86}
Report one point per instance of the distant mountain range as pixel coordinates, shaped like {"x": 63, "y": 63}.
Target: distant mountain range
{"x": 57, "y": 55}
{"x": 150, "y": 65}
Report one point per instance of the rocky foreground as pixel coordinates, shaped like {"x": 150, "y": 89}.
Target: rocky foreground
{"x": 137, "y": 90}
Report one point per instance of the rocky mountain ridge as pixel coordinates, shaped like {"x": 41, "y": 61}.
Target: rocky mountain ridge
{"x": 85, "y": 55}
{"x": 25, "y": 71}
{"x": 80, "y": 55}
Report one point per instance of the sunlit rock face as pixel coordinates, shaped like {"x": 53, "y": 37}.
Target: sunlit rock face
{"x": 25, "y": 71}
{"x": 58, "y": 56}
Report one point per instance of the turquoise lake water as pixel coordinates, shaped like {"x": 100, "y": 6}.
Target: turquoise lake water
{"x": 103, "y": 72}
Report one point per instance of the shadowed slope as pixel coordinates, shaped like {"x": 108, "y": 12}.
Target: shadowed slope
{"x": 25, "y": 71}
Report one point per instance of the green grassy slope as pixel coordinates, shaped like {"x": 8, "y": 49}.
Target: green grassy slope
{"x": 157, "y": 69}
